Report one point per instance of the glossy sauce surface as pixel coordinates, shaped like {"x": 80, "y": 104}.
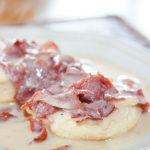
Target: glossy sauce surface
{"x": 16, "y": 134}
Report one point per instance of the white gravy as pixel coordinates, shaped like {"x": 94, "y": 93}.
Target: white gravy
{"x": 15, "y": 134}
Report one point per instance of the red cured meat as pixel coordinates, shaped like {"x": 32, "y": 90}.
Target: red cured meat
{"x": 42, "y": 136}
{"x": 98, "y": 84}
{"x": 4, "y": 116}
{"x": 36, "y": 125}
{"x": 64, "y": 147}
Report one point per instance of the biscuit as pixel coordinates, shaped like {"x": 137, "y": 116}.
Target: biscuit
{"x": 7, "y": 90}
{"x": 124, "y": 118}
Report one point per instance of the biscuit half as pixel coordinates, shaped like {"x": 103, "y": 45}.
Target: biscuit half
{"x": 124, "y": 118}
{"x": 7, "y": 90}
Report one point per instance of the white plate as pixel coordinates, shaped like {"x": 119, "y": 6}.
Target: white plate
{"x": 129, "y": 59}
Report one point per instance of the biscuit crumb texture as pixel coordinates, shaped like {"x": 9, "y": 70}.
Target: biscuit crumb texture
{"x": 7, "y": 90}
{"x": 124, "y": 118}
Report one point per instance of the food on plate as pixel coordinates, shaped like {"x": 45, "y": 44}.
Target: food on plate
{"x": 57, "y": 94}
{"x": 6, "y": 88}
{"x": 64, "y": 147}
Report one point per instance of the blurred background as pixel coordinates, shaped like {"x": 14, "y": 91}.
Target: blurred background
{"x": 134, "y": 14}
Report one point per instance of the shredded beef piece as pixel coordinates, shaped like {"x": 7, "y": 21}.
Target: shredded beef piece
{"x": 4, "y": 116}
{"x": 42, "y": 137}
{"x": 36, "y": 125}
{"x": 32, "y": 67}
{"x": 98, "y": 84}
{"x": 64, "y": 147}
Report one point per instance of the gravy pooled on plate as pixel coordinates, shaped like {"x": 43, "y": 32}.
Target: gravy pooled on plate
{"x": 56, "y": 96}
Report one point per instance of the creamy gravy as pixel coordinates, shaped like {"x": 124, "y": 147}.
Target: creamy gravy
{"x": 15, "y": 134}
